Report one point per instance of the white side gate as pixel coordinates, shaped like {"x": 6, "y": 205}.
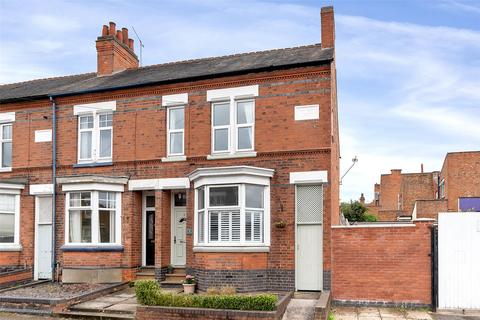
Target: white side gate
{"x": 459, "y": 260}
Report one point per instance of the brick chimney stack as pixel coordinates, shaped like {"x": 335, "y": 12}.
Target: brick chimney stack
{"x": 115, "y": 51}
{"x": 328, "y": 27}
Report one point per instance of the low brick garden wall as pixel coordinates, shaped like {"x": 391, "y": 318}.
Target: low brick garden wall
{"x": 170, "y": 313}
{"x": 14, "y": 276}
{"x": 383, "y": 265}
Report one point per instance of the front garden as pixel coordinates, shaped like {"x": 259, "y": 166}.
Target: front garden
{"x": 217, "y": 303}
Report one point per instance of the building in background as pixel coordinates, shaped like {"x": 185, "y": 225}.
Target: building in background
{"x": 422, "y": 195}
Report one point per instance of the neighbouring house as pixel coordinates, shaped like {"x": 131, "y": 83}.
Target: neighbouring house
{"x": 225, "y": 167}
{"x": 423, "y": 195}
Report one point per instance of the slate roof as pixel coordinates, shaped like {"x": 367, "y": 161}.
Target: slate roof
{"x": 168, "y": 73}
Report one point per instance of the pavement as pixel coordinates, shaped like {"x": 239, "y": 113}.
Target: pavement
{"x": 351, "y": 313}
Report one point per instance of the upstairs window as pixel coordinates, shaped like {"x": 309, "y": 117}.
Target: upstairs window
{"x": 175, "y": 131}
{"x": 233, "y": 124}
{"x": 5, "y": 146}
{"x": 95, "y": 134}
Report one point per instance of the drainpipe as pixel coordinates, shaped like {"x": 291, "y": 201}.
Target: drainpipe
{"x": 54, "y": 182}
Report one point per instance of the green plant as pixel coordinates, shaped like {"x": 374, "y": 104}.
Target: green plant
{"x": 149, "y": 293}
{"x": 331, "y": 316}
{"x": 189, "y": 279}
{"x": 370, "y": 218}
{"x": 355, "y": 211}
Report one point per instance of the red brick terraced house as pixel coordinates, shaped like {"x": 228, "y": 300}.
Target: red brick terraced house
{"x": 224, "y": 167}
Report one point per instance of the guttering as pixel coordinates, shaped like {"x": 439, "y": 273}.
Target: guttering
{"x": 54, "y": 178}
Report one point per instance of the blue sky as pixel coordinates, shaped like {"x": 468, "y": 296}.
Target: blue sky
{"x": 408, "y": 71}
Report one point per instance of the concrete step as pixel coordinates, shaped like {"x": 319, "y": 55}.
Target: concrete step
{"x": 96, "y": 315}
{"x": 179, "y": 270}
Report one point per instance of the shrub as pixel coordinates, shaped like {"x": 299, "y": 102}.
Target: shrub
{"x": 149, "y": 293}
{"x": 369, "y": 218}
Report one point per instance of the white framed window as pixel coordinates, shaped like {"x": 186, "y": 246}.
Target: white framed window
{"x": 6, "y": 149}
{"x": 95, "y": 137}
{"x": 233, "y": 126}
{"x": 93, "y": 217}
{"x": 231, "y": 215}
{"x": 175, "y": 131}
{"x": 10, "y": 217}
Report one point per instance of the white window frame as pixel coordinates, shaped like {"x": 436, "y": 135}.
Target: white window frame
{"x": 14, "y": 190}
{"x": 232, "y": 127}
{"x": 2, "y": 141}
{"x": 240, "y": 207}
{"x": 170, "y": 131}
{"x": 95, "y": 224}
{"x": 96, "y": 130}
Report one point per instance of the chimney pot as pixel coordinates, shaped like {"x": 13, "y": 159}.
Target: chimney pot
{"x": 104, "y": 30}
{"x": 112, "y": 28}
{"x": 125, "y": 35}
{"x": 119, "y": 35}
{"x": 114, "y": 51}
{"x": 421, "y": 168}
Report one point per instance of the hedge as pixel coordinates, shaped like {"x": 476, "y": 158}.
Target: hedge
{"x": 149, "y": 293}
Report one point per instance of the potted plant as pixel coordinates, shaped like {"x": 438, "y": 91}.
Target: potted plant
{"x": 170, "y": 269}
{"x": 189, "y": 284}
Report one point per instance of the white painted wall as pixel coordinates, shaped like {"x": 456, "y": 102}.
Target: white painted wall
{"x": 459, "y": 260}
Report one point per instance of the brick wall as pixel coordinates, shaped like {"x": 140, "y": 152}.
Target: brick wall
{"x": 430, "y": 208}
{"x": 376, "y": 265}
{"x": 461, "y": 171}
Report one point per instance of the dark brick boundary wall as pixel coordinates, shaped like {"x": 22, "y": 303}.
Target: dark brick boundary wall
{"x": 171, "y": 313}
{"x": 387, "y": 265}
{"x": 245, "y": 280}
{"x": 14, "y": 276}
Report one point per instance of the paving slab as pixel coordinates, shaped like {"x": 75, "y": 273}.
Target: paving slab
{"x": 370, "y": 317}
{"x": 418, "y": 315}
{"x": 391, "y": 314}
{"x": 368, "y": 312}
{"x": 123, "y": 307}
{"x": 112, "y": 299}
{"x": 300, "y": 309}
{"x": 91, "y": 305}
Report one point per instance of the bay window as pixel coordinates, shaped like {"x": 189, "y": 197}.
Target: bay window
{"x": 231, "y": 214}
{"x": 7, "y": 218}
{"x": 93, "y": 217}
{"x": 5, "y": 146}
{"x": 95, "y": 134}
{"x": 10, "y": 216}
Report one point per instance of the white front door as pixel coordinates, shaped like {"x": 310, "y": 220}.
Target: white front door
{"x": 43, "y": 243}
{"x": 179, "y": 222}
{"x": 309, "y": 238}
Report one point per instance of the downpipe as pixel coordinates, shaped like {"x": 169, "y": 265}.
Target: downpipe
{"x": 54, "y": 265}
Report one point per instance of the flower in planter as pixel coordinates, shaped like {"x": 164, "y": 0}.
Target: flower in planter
{"x": 189, "y": 279}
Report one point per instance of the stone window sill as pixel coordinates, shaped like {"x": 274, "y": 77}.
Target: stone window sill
{"x": 93, "y": 164}
{"x": 174, "y": 158}
{"x": 10, "y": 247}
{"x": 8, "y": 169}
{"x": 91, "y": 248}
{"x": 231, "y": 249}
{"x": 219, "y": 156}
